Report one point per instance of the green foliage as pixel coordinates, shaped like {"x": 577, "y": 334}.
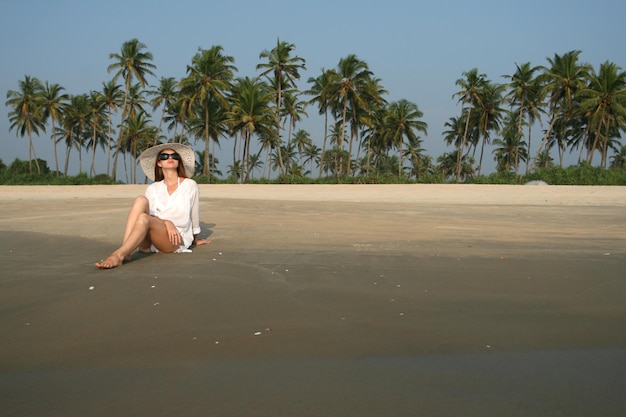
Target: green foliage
{"x": 18, "y": 173}
{"x": 583, "y": 174}
{"x": 24, "y": 167}
{"x": 497, "y": 178}
{"x": 201, "y": 179}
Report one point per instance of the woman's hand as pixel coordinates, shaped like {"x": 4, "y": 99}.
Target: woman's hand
{"x": 172, "y": 233}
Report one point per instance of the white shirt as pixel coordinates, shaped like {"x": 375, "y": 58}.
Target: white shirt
{"x": 181, "y": 208}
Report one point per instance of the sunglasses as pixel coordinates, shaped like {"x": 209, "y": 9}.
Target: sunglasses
{"x": 166, "y": 156}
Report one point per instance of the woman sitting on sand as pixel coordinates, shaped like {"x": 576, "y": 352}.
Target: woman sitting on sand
{"x": 167, "y": 218}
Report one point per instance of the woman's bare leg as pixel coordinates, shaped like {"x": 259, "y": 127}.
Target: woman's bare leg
{"x": 141, "y": 231}
{"x": 140, "y": 206}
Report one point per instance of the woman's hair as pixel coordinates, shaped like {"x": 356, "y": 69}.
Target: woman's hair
{"x": 158, "y": 171}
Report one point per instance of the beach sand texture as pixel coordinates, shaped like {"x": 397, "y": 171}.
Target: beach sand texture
{"x": 315, "y": 300}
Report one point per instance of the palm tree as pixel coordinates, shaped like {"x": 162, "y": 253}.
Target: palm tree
{"x": 375, "y": 139}
{"x": 164, "y": 95}
{"x": 249, "y": 114}
{"x": 132, "y": 63}
{"x": 73, "y": 129}
{"x": 365, "y": 117}
{"x": 447, "y": 165}
{"x": 293, "y": 109}
{"x": 510, "y": 149}
{"x": 605, "y": 100}
{"x": 402, "y": 124}
{"x": 420, "y": 163}
{"x": 253, "y": 162}
{"x": 561, "y": 81}
{"x": 112, "y": 97}
{"x": 544, "y": 160}
{"x": 358, "y": 94}
{"x": 235, "y": 171}
{"x": 136, "y": 101}
{"x": 311, "y": 154}
{"x": 489, "y": 114}
{"x": 96, "y": 119}
{"x": 334, "y": 161}
{"x": 352, "y": 92}
{"x": 27, "y": 114}
{"x": 322, "y": 91}
{"x": 53, "y": 109}
{"x": 80, "y": 112}
{"x": 200, "y": 164}
{"x": 139, "y": 136}
{"x": 301, "y": 140}
{"x": 469, "y": 95}
{"x": 525, "y": 93}
{"x": 208, "y": 79}
{"x": 454, "y": 135}
{"x": 618, "y": 161}
{"x": 282, "y": 70}
{"x": 218, "y": 127}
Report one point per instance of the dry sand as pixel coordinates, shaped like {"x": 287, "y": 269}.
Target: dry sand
{"x": 435, "y": 300}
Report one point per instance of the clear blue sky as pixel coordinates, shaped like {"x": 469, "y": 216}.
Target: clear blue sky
{"x": 417, "y": 48}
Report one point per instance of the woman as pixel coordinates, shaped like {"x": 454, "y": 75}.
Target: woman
{"x": 167, "y": 218}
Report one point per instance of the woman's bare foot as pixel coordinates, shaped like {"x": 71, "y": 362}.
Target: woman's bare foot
{"x": 111, "y": 262}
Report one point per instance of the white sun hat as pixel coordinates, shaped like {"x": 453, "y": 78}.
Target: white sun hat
{"x": 148, "y": 158}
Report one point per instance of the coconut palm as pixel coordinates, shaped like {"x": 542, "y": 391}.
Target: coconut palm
{"x": 490, "y": 113}
{"x": 402, "y": 125}
{"x": 525, "y": 94}
{"x": 164, "y": 95}
{"x": 354, "y": 93}
{"x": 218, "y": 127}
{"x": 96, "y": 122}
{"x": 447, "y": 165}
{"x": 414, "y": 153}
{"x": 208, "y": 79}
{"x": 250, "y": 114}
{"x": 365, "y": 117}
{"x": 605, "y": 100}
{"x": 510, "y": 149}
{"x": 618, "y": 161}
{"x": 74, "y": 127}
{"x": 375, "y": 139}
{"x": 132, "y": 63}
{"x": 293, "y": 110}
{"x": 113, "y": 97}
{"x": 561, "y": 81}
{"x": 469, "y": 96}
{"x": 544, "y": 160}
{"x": 322, "y": 91}
{"x": 282, "y": 70}
{"x": 454, "y": 135}
{"x": 139, "y": 135}
{"x": 311, "y": 154}
{"x": 54, "y": 101}
{"x": 253, "y": 162}
{"x": 301, "y": 140}
{"x": 27, "y": 113}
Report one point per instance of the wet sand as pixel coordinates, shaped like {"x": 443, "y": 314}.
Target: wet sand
{"x": 432, "y": 300}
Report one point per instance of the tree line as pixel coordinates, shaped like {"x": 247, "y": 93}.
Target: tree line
{"x": 577, "y": 108}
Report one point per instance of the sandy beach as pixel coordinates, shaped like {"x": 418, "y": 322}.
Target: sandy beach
{"x": 362, "y": 300}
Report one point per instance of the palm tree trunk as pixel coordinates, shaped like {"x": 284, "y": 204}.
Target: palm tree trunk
{"x": 67, "y": 159}
{"x": 54, "y": 141}
{"x": 459, "y": 156}
{"x": 529, "y": 138}
{"x": 325, "y": 138}
{"x": 109, "y": 144}
{"x": 544, "y": 140}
